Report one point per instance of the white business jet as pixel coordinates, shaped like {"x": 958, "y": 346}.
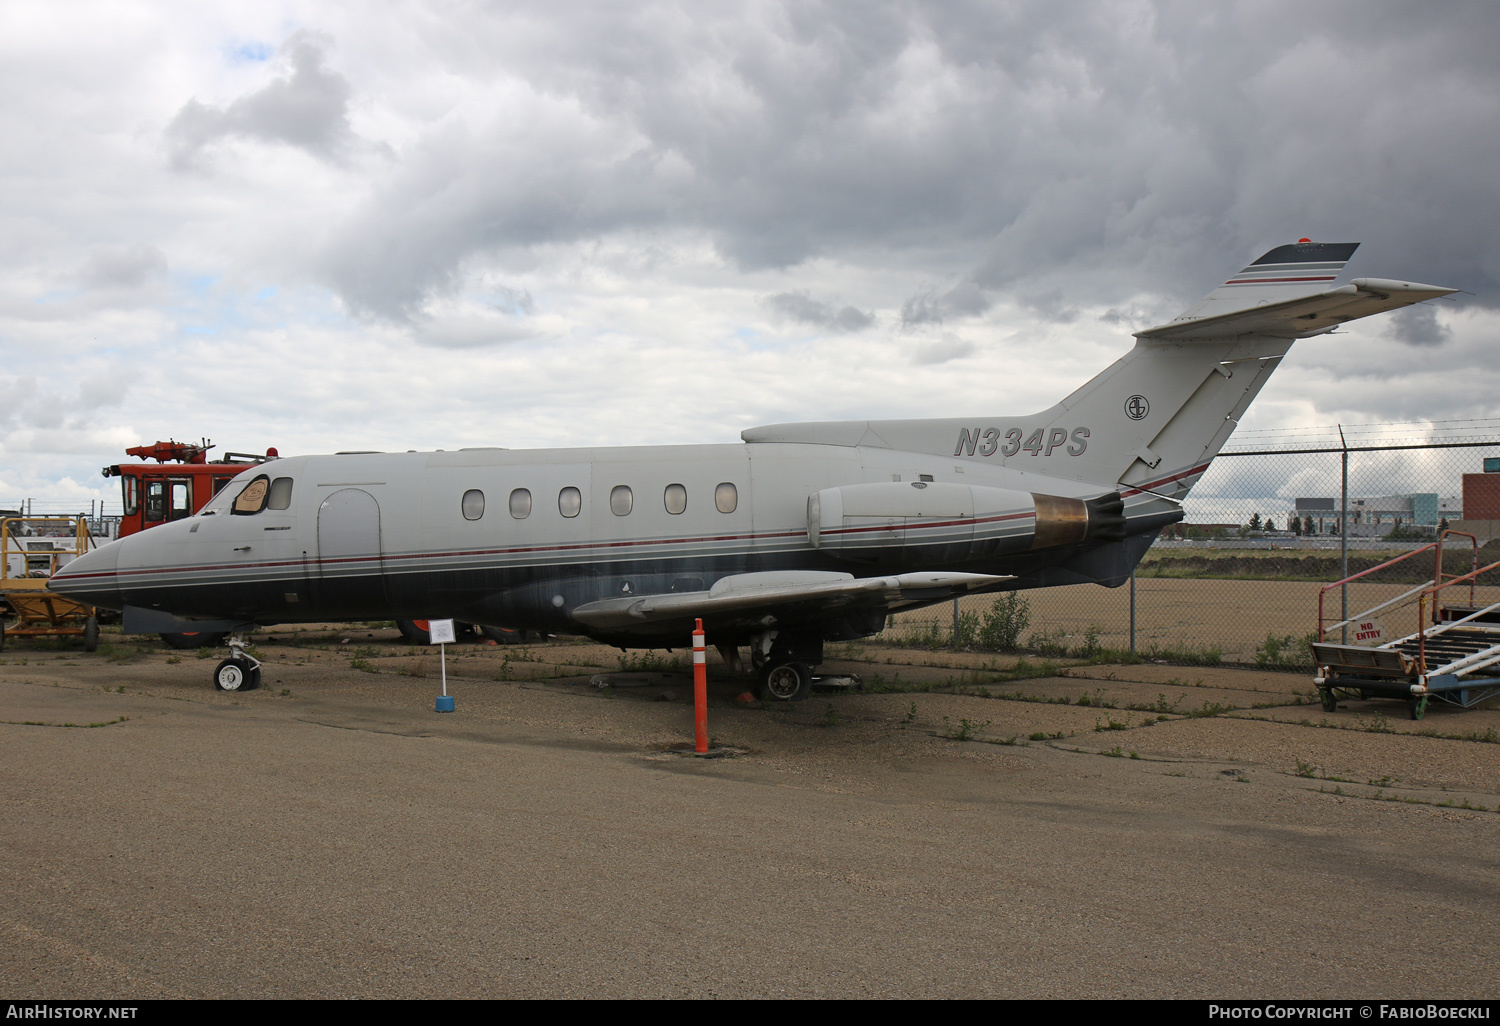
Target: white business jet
{"x": 802, "y": 534}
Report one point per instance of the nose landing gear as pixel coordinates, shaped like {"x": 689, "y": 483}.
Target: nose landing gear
{"x": 241, "y": 671}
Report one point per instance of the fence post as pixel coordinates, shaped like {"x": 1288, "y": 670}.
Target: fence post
{"x": 1132, "y": 611}
{"x": 1344, "y": 539}
{"x": 953, "y": 641}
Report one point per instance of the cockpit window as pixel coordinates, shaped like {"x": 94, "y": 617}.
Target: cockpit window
{"x": 281, "y": 494}
{"x": 253, "y": 499}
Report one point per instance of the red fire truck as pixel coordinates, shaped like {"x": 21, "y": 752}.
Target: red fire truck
{"x": 178, "y": 485}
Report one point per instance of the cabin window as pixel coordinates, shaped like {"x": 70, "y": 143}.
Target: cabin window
{"x": 132, "y": 495}
{"x": 156, "y": 501}
{"x": 281, "y": 494}
{"x": 675, "y": 499}
{"x": 472, "y": 504}
{"x": 520, "y": 503}
{"x": 726, "y": 497}
{"x": 621, "y": 500}
{"x": 253, "y": 499}
{"x": 569, "y": 501}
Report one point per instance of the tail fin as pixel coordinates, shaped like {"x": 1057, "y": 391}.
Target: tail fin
{"x": 1152, "y": 421}
{"x": 1285, "y": 272}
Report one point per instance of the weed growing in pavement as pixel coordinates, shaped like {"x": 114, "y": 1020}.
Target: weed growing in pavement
{"x": 1378, "y": 724}
{"x": 1114, "y": 753}
{"x": 1111, "y": 723}
{"x": 1306, "y": 769}
{"x": 173, "y": 659}
{"x": 831, "y": 717}
{"x": 1161, "y": 705}
{"x": 911, "y": 714}
{"x": 362, "y": 665}
{"x": 1209, "y": 709}
{"x": 967, "y": 729}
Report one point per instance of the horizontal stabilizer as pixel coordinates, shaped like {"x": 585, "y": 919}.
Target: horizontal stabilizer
{"x": 1302, "y": 316}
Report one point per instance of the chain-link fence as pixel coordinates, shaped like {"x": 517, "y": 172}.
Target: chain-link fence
{"x": 1274, "y": 520}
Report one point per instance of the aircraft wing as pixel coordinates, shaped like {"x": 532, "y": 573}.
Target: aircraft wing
{"x": 1303, "y": 316}
{"x": 755, "y": 598}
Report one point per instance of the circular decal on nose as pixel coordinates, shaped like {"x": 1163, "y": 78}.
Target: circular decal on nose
{"x": 1136, "y": 407}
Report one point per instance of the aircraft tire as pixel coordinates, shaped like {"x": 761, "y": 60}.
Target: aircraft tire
{"x": 784, "y": 682}
{"x": 205, "y": 639}
{"x": 232, "y": 675}
{"x": 503, "y": 635}
{"x": 91, "y": 634}
{"x": 414, "y": 634}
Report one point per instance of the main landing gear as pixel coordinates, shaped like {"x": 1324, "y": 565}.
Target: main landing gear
{"x": 241, "y": 671}
{"x": 784, "y": 665}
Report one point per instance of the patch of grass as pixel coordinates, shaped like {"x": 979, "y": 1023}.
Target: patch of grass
{"x": 173, "y": 659}
{"x": 1111, "y": 723}
{"x": 830, "y": 717}
{"x": 1306, "y": 769}
{"x": 1285, "y": 652}
{"x": 649, "y": 662}
{"x": 362, "y": 665}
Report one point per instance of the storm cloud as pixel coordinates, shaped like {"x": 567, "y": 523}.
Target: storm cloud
{"x": 307, "y": 109}
{"x": 802, "y": 308}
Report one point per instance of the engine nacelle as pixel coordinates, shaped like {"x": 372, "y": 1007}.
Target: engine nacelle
{"x": 941, "y": 520}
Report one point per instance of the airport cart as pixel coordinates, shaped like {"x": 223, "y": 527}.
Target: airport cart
{"x": 46, "y": 614}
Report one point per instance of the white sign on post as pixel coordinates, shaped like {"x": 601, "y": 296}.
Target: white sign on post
{"x": 440, "y": 632}
{"x": 1368, "y": 632}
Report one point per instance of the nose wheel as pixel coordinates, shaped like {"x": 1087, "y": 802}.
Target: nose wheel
{"x": 240, "y": 672}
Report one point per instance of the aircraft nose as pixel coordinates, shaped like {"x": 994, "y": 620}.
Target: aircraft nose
{"x": 91, "y": 577}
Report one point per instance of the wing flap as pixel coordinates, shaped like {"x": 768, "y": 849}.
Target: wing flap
{"x": 780, "y": 593}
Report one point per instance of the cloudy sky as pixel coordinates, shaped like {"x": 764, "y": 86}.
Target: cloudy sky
{"x": 326, "y": 226}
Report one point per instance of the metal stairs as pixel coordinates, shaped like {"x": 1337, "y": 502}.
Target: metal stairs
{"x": 1450, "y": 659}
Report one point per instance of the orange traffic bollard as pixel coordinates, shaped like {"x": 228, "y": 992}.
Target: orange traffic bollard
{"x": 700, "y": 691}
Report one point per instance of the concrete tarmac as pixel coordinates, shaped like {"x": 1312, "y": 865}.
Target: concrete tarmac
{"x": 329, "y": 835}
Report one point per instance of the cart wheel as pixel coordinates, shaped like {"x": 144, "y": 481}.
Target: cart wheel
{"x": 1330, "y": 703}
{"x": 91, "y": 634}
{"x": 1418, "y": 708}
{"x": 2, "y": 635}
